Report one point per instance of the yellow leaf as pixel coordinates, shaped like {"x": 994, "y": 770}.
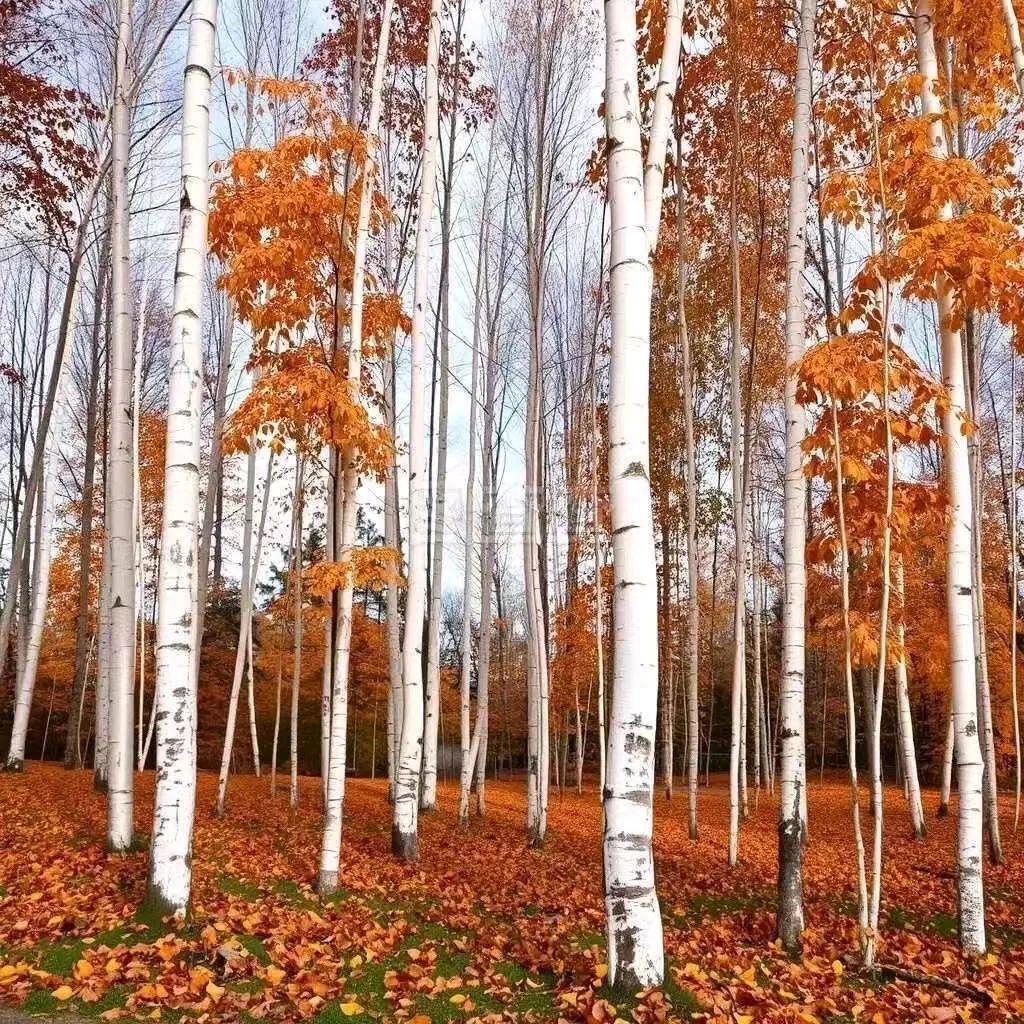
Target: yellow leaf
{"x": 744, "y": 1018}
{"x": 63, "y": 993}
{"x": 274, "y": 975}
{"x": 601, "y": 970}
{"x": 214, "y": 991}
{"x": 749, "y": 977}
{"x": 350, "y": 1009}
{"x": 458, "y": 999}
{"x": 356, "y": 961}
{"x": 83, "y": 969}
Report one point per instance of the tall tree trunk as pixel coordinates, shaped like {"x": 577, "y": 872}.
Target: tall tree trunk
{"x": 636, "y": 956}
{"x": 119, "y": 498}
{"x": 970, "y": 768}
{"x": 392, "y": 529}
{"x": 737, "y": 457}
{"x": 73, "y": 753}
{"x": 789, "y": 922}
{"x": 244, "y": 625}
{"x": 470, "y": 750}
{"x": 693, "y": 579}
{"x": 170, "y": 872}
{"x": 404, "y": 832}
{"x": 40, "y": 591}
{"x": 293, "y": 730}
{"x": 851, "y": 712}
{"x": 906, "y": 721}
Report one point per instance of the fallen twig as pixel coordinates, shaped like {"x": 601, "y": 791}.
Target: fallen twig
{"x": 979, "y": 995}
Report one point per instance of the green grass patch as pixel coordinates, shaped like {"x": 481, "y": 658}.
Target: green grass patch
{"x": 236, "y": 887}
{"x": 513, "y": 973}
{"x": 291, "y": 891}
{"x": 713, "y": 907}
{"x": 537, "y": 1001}
{"x": 585, "y": 939}
{"x": 683, "y": 1001}
{"x": 250, "y": 985}
{"x": 114, "y": 998}
{"x": 331, "y": 1013}
{"x": 39, "y": 1001}
{"x": 441, "y": 1010}
{"x": 944, "y": 925}
{"x": 61, "y": 958}
{"x": 255, "y": 947}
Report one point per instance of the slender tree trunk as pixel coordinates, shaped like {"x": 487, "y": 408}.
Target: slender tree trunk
{"x": 119, "y": 498}
{"x": 693, "y": 578}
{"x": 293, "y": 730}
{"x": 170, "y": 874}
{"x": 739, "y": 617}
{"x": 906, "y": 721}
{"x": 138, "y": 516}
{"x": 73, "y": 753}
{"x": 40, "y": 591}
{"x": 946, "y": 781}
{"x": 635, "y": 945}
{"x": 468, "y": 750}
{"x": 245, "y": 624}
{"x": 789, "y": 922}
{"x": 970, "y": 769}
{"x": 1014, "y": 598}
{"x": 851, "y": 711}
{"x": 391, "y": 538}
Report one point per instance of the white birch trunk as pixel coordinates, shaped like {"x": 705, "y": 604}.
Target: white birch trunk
{"x": 970, "y": 825}
{"x": 1013, "y": 38}
{"x": 636, "y": 957}
{"x": 661, "y": 120}
{"x": 40, "y": 591}
{"x": 330, "y": 847}
{"x": 792, "y": 762}
{"x": 170, "y": 873}
{"x": 693, "y": 579}
{"x": 119, "y": 500}
{"x": 404, "y": 833}
{"x": 138, "y": 516}
{"x": 469, "y": 750}
{"x": 244, "y": 625}
{"x": 293, "y": 731}
{"x": 739, "y": 618}
{"x": 906, "y": 721}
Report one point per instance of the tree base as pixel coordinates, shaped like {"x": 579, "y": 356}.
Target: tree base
{"x": 155, "y": 909}
{"x": 405, "y": 845}
{"x": 326, "y": 884}
{"x": 17, "y": 766}
{"x": 943, "y": 811}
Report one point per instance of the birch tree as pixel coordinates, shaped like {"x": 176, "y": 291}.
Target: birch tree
{"x": 970, "y": 824}
{"x": 119, "y": 500}
{"x": 330, "y": 850}
{"x": 789, "y": 921}
{"x": 170, "y": 869}
{"x": 404, "y": 830}
{"x": 635, "y": 947}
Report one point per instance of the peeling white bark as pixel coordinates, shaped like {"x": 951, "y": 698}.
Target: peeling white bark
{"x": 119, "y": 503}
{"x": 170, "y": 869}
{"x": 792, "y": 762}
{"x": 970, "y": 825}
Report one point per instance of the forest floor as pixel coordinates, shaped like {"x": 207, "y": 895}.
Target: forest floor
{"x": 482, "y": 927}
